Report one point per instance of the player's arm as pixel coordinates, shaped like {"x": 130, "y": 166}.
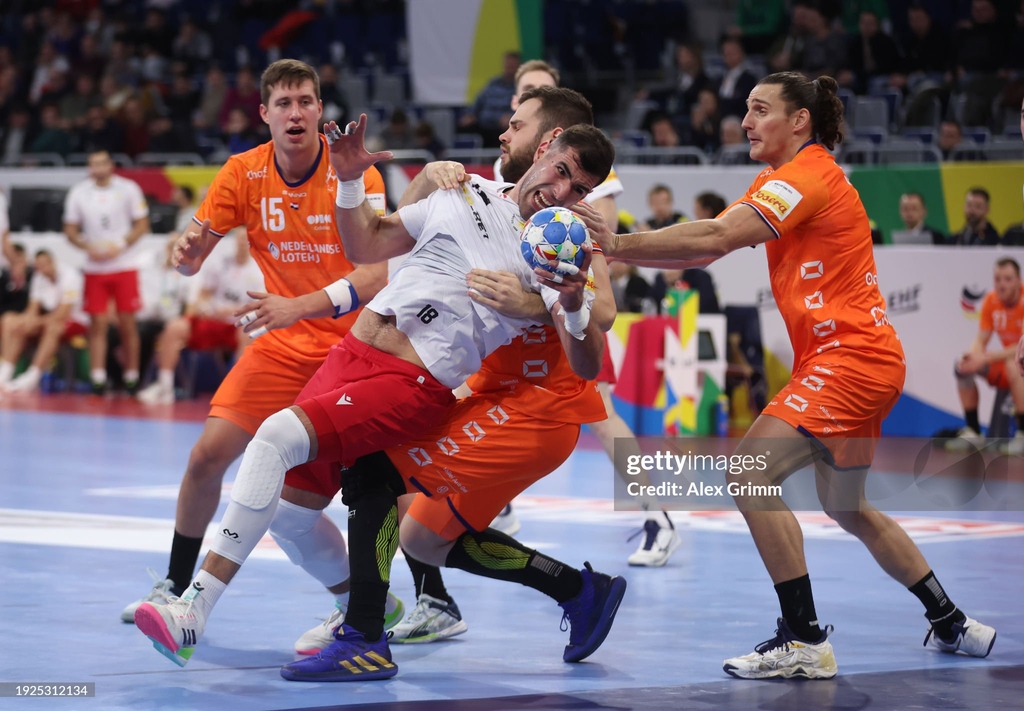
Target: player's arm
{"x": 580, "y": 334}
{"x": 441, "y": 174}
{"x": 193, "y": 247}
{"x": 608, "y": 209}
{"x": 74, "y": 234}
{"x": 140, "y": 227}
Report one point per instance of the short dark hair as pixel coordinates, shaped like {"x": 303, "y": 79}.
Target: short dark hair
{"x": 537, "y": 65}
{"x": 1009, "y": 262}
{"x": 659, "y": 188}
{"x": 818, "y": 96}
{"x": 43, "y": 253}
{"x": 596, "y": 153}
{"x": 981, "y": 192}
{"x": 188, "y": 192}
{"x": 712, "y": 202}
{"x": 560, "y": 107}
{"x": 287, "y": 72}
{"x": 915, "y": 194}
{"x": 18, "y": 248}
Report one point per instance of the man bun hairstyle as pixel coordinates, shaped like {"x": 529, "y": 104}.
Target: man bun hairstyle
{"x": 818, "y": 96}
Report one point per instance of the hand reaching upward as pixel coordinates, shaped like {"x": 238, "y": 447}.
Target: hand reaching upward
{"x": 348, "y": 153}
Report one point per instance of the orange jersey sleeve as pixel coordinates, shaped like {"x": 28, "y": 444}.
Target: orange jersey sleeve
{"x": 1007, "y": 322}
{"x": 292, "y": 234}
{"x": 988, "y": 307}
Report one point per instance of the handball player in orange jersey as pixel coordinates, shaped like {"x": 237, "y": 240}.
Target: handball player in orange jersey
{"x": 283, "y": 193}
{"x": 848, "y": 367}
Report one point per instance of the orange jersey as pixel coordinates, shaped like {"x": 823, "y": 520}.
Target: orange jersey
{"x": 822, "y": 266}
{"x": 1005, "y": 321}
{"x": 292, "y": 234}
{"x": 534, "y": 372}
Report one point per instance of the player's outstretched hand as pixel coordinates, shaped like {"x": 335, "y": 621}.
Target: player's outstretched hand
{"x": 599, "y": 231}
{"x": 500, "y": 291}
{"x": 348, "y": 153}
{"x": 446, "y": 174}
{"x": 569, "y": 285}
{"x": 187, "y": 255}
{"x": 267, "y": 312}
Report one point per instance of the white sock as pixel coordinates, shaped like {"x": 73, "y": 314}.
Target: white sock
{"x": 98, "y": 376}
{"x": 341, "y": 600}
{"x": 6, "y": 371}
{"x": 165, "y": 378}
{"x": 32, "y": 373}
{"x": 131, "y": 376}
{"x": 204, "y": 592}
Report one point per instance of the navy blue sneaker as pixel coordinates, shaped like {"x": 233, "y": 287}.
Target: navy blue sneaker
{"x": 348, "y": 658}
{"x": 589, "y": 615}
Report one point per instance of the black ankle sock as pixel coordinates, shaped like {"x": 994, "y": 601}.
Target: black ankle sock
{"x": 1020, "y": 422}
{"x": 492, "y": 554}
{"x": 939, "y": 609}
{"x": 184, "y": 555}
{"x": 972, "y": 419}
{"x": 427, "y": 579}
{"x": 797, "y": 605}
{"x": 373, "y": 540}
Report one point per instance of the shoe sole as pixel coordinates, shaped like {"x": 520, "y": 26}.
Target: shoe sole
{"x": 672, "y": 548}
{"x": 795, "y": 672}
{"x": 151, "y": 624}
{"x": 452, "y": 631}
{"x": 604, "y": 624}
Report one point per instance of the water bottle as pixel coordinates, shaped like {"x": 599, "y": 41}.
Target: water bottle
{"x": 722, "y": 415}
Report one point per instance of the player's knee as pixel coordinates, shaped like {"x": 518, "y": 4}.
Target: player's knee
{"x": 209, "y": 459}
{"x": 371, "y": 475}
{"x": 286, "y": 434}
{"x": 848, "y": 520}
{"x": 291, "y": 524}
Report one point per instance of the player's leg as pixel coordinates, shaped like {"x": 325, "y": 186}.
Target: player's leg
{"x": 127, "y": 303}
{"x": 169, "y": 344}
{"x": 96, "y": 295}
{"x": 1015, "y": 382}
{"x": 50, "y": 330}
{"x": 660, "y": 538}
{"x": 967, "y": 391}
{"x": 285, "y": 440}
{"x": 779, "y": 542}
{"x": 16, "y": 330}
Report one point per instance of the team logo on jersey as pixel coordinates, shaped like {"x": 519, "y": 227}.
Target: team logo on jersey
{"x": 779, "y": 197}
{"x": 293, "y": 205}
{"x": 274, "y": 251}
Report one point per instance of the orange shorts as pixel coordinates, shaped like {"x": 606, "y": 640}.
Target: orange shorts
{"x": 467, "y": 469}
{"x": 263, "y": 381}
{"x": 996, "y": 375}
{"x": 841, "y": 402}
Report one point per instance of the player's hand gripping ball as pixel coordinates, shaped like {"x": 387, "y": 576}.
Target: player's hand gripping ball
{"x": 553, "y": 239}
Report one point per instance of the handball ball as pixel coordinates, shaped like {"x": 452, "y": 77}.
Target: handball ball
{"x": 554, "y": 237}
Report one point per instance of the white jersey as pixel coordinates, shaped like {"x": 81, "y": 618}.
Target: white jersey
{"x": 163, "y": 290}
{"x": 105, "y": 216}
{"x": 229, "y": 284}
{"x": 428, "y": 295}
{"x": 51, "y": 295}
{"x": 611, "y": 187}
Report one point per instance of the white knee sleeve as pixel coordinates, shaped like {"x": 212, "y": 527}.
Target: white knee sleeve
{"x": 280, "y": 443}
{"x": 312, "y": 540}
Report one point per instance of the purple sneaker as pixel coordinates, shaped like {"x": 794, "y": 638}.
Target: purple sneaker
{"x": 591, "y": 613}
{"x": 348, "y": 658}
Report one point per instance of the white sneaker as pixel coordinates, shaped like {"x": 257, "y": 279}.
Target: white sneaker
{"x": 786, "y": 656}
{"x": 1013, "y": 446}
{"x": 431, "y": 620}
{"x": 160, "y": 594}
{"x": 507, "y": 522}
{"x": 967, "y": 438}
{"x": 972, "y": 638}
{"x": 658, "y": 544}
{"x": 156, "y": 394}
{"x": 25, "y": 383}
{"x": 314, "y": 640}
{"x": 174, "y": 628}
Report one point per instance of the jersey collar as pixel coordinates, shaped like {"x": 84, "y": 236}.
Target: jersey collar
{"x": 308, "y": 175}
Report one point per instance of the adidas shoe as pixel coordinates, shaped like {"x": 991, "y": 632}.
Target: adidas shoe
{"x": 174, "y": 628}
{"x": 786, "y": 656}
{"x": 966, "y": 440}
{"x": 160, "y": 594}
{"x": 314, "y": 640}
{"x": 589, "y": 615}
{"x": 971, "y": 638}
{"x": 507, "y": 522}
{"x": 431, "y": 620}
{"x": 658, "y": 544}
{"x": 348, "y": 658}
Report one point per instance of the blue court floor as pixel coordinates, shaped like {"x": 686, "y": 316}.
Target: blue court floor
{"x": 87, "y": 505}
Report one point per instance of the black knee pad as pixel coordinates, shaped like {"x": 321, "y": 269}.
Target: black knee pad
{"x": 373, "y": 474}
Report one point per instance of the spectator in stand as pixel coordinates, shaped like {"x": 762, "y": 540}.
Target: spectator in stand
{"x": 490, "y": 112}
{"x": 192, "y": 45}
{"x": 914, "y": 213}
{"x": 90, "y": 60}
{"x": 397, "y": 135}
{"x": 239, "y": 135}
{"x": 74, "y": 107}
{"x": 949, "y": 138}
{"x": 690, "y": 81}
{"x": 870, "y": 53}
{"x": 47, "y": 64}
{"x": 52, "y": 315}
{"x": 244, "y": 95}
{"x": 122, "y": 65}
{"x": 15, "y": 274}
{"x": 56, "y": 89}
{"x": 134, "y": 127}
{"x": 708, "y": 206}
{"x": 982, "y": 45}
{"x": 53, "y": 138}
{"x": 926, "y": 52}
{"x": 214, "y": 94}
{"x": 822, "y": 50}
{"x": 182, "y": 102}
{"x": 852, "y": 10}
{"x": 335, "y": 105}
{"x": 183, "y": 198}
{"x": 977, "y": 230}
{"x": 426, "y": 140}
{"x": 703, "y": 125}
{"x": 759, "y": 23}
{"x": 113, "y": 94}
{"x": 738, "y": 80}
{"x": 17, "y": 135}
{"x": 630, "y": 289}
{"x": 663, "y": 212}
{"x": 734, "y": 149}
{"x": 164, "y": 137}
{"x": 101, "y": 133}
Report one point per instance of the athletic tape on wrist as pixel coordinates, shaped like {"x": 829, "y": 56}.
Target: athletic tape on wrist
{"x": 343, "y": 295}
{"x": 351, "y": 194}
{"x": 576, "y": 322}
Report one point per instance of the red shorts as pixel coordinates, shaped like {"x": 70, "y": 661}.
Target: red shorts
{"x": 841, "y": 402}
{"x": 208, "y": 333}
{"x": 72, "y": 329}
{"x": 122, "y": 287}
{"x": 607, "y": 374}
{"x": 467, "y": 469}
{"x": 996, "y": 375}
{"x": 362, "y": 401}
